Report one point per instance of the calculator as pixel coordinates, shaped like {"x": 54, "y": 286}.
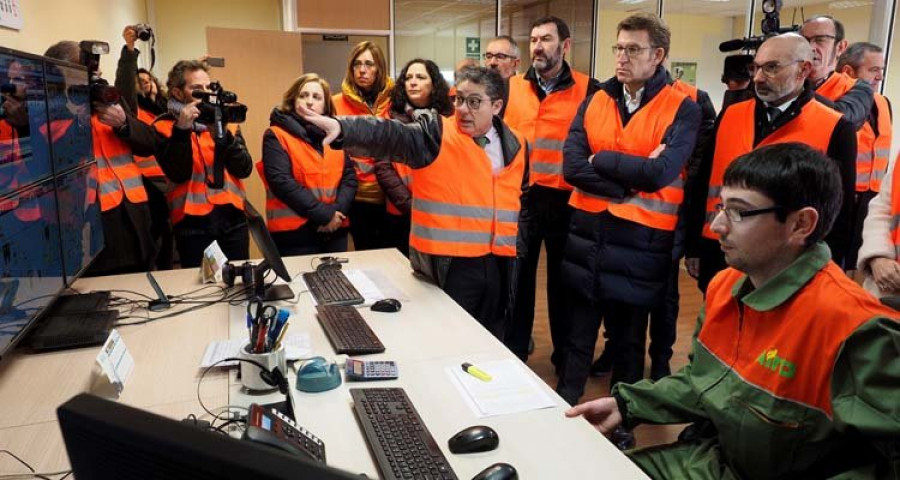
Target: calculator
{"x": 362, "y": 370}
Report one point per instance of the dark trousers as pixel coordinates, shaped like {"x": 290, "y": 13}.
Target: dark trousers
{"x": 306, "y": 240}
{"x": 398, "y": 232}
{"x": 368, "y": 225}
{"x": 548, "y": 223}
{"x": 480, "y": 285}
{"x": 664, "y": 321}
{"x": 860, "y": 210}
{"x": 234, "y": 242}
{"x": 129, "y": 246}
{"x": 712, "y": 261}
{"x": 160, "y": 226}
{"x": 627, "y": 326}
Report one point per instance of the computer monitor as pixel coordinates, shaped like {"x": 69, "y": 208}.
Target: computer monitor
{"x": 106, "y": 440}
{"x": 81, "y": 225}
{"x": 69, "y": 110}
{"x": 272, "y": 259}
{"x": 31, "y": 270}
{"x": 24, "y": 151}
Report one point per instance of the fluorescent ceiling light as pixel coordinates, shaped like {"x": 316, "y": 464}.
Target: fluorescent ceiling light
{"x": 631, "y": 2}
{"x": 842, "y": 4}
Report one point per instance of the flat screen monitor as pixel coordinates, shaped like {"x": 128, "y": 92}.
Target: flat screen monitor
{"x": 24, "y": 151}
{"x": 81, "y": 229}
{"x": 263, "y": 239}
{"x": 31, "y": 270}
{"x": 106, "y": 440}
{"x": 69, "y": 110}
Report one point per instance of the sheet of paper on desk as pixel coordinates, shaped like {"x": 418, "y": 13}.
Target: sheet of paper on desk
{"x": 296, "y": 346}
{"x": 511, "y": 389}
{"x": 364, "y": 285}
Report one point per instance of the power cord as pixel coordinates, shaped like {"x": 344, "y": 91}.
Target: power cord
{"x": 32, "y": 474}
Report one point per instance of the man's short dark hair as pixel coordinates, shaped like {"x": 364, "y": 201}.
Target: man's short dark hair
{"x": 176, "y": 75}
{"x": 561, "y": 28}
{"x": 493, "y": 83}
{"x": 855, "y": 54}
{"x": 659, "y": 33}
{"x": 794, "y": 176}
{"x": 65, "y": 50}
{"x": 838, "y": 26}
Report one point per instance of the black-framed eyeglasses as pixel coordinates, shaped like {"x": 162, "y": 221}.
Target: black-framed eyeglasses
{"x": 498, "y": 56}
{"x": 363, "y": 63}
{"x": 769, "y": 69}
{"x": 473, "y": 101}
{"x": 629, "y": 51}
{"x": 820, "y": 39}
{"x": 736, "y": 215}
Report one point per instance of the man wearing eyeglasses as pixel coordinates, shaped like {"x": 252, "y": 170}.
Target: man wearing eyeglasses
{"x": 542, "y": 103}
{"x": 502, "y": 54}
{"x": 470, "y": 174}
{"x": 624, "y": 156}
{"x": 793, "y": 363}
{"x": 785, "y": 109}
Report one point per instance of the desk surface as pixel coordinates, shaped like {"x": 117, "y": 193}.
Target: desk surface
{"x": 430, "y": 333}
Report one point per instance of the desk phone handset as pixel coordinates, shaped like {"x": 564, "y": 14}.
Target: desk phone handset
{"x": 270, "y": 427}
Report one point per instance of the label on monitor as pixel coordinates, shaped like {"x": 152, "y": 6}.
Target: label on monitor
{"x": 116, "y": 363}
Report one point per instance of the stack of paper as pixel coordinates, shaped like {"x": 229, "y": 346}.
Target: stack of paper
{"x": 510, "y": 390}
{"x": 296, "y": 346}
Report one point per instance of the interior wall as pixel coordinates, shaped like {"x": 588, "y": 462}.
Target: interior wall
{"x": 46, "y": 22}
{"x": 696, "y": 38}
{"x": 181, "y": 25}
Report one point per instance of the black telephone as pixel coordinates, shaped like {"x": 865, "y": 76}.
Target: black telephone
{"x": 270, "y": 427}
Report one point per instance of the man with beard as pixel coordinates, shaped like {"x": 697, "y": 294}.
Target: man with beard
{"x": 542, "y": 103}
{"x": 784, "y": 110}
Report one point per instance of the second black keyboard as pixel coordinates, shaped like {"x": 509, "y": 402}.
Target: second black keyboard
{"x": 330, "y": 286}
{"x": 347, "y": 330}
{"x": 403, "y": 446}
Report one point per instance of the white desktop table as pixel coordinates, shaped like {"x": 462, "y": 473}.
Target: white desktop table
{"x": 430, "y": 333}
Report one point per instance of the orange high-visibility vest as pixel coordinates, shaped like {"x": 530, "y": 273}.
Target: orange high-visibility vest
{"x": 545, "y": 124}
{"x": 119, "y": 175}
{"x": 836, "y": 86}
{"x": 320, "y": 174}
{"x": 405, "y": 174}
{"x": 365, "y": 166}
{"x": 895, "y": 209}
{"x": 873, "y": 149}
{"x": 686, "y": 88}
{"x": 461, "y": 209}
{"x": 813, "y": 126}
{"x": 10, "y": 154}
{"x": 643, "y": 134}
{"x": 195, "y": 196}
{"x": 149, "y": 167}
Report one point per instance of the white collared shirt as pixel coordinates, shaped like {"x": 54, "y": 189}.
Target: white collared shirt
{"x": 494, "y": 150}
{"x": 632, "y": 103}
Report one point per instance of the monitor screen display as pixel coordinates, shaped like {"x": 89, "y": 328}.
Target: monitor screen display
{"x": 31, "y": 273}
{"x": 79, "y": 217}
{"x": 24, "y": 153}
{"x": 69, "y": 108}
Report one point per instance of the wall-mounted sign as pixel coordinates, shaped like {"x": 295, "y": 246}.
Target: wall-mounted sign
{"x": 10, "y": 14}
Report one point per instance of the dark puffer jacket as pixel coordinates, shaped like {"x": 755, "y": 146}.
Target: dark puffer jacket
{"x": 609, "y": 258}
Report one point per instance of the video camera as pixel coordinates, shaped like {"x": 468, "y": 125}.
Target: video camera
{"x": 770, "y": 26}
{"x": 101, "y": 90}
{"x": 218, "y": 108}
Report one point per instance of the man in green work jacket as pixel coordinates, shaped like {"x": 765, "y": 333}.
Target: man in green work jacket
{"x": 796, "y": 367}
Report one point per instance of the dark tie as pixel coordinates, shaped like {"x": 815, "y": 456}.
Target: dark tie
{"x": 482, "y": 141}
{"x": 773, "y": 113}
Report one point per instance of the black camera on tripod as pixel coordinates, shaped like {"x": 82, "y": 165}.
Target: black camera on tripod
{"x": 101, "y": 90}
{"x": 770, "y": 26}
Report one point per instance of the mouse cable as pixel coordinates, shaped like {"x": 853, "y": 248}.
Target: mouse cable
{"x": 33, "y": 474}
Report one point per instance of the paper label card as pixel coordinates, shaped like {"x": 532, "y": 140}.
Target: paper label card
{"x": 115, "y": 361}
{"x": 213, "y": 261}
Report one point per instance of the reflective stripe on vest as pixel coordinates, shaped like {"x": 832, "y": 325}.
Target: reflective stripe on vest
{"x": 195, "y": 197}
{"x": 545, "y": 124}
{"x": 643, "y": 134}
{"x": 148, "y": 165}
{"x": 873, "y": 150}
{"x": 813, "y": 126}
{"x": 460, "y": 208}
{"x": 119, "y": 176}
{"x": 319, "y": 174}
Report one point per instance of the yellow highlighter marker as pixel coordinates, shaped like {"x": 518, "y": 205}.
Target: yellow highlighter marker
{"x": 475, "y": 372}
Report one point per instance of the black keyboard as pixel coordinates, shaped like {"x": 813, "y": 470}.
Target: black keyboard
{"x": 329, "y": 286}
{"x": 402, "y": 444}
{"x": 72, "y": 330}
{"x": 347, "y": 330}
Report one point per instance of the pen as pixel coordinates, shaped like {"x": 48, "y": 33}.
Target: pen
{"x": 261, "y": 340}
{"x": 475, "y": 372}
{"x": 281, "y": 336}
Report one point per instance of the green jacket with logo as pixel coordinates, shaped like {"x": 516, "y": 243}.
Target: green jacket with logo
{"x": 800, "y": 376}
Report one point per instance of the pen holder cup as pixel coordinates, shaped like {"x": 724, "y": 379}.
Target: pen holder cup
{"x": 250, "y": 377}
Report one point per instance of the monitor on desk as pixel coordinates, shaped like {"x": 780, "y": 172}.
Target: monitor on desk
{"x": 106, "y": 440}
{"x": 272, "y": 259}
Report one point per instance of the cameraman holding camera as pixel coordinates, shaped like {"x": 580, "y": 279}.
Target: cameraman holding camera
{"x": 117, "y": 135}
{"x": 207, "y": 201}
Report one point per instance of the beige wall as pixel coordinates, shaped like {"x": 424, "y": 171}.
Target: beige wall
{"x": 49, "y": 21}
{"x": 181, "y": 25}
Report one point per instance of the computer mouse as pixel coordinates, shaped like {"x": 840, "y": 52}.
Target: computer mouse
{"x": 389, "y": 305}
{"x": 498, "y": 471}
{"x": 479, "y": 438}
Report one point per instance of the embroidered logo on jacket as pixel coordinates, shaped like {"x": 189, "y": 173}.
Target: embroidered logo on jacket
{"x": 782, "y": 366}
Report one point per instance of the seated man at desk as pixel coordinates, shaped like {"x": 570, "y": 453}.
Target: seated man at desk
{"x": 470, "y": 174}
{"x": 793, "y": 363}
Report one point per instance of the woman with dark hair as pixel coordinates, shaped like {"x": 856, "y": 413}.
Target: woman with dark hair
{"x": 366, "y": 90}
{"x": 420, "y": 86}
{"x": 308, "y": 187}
